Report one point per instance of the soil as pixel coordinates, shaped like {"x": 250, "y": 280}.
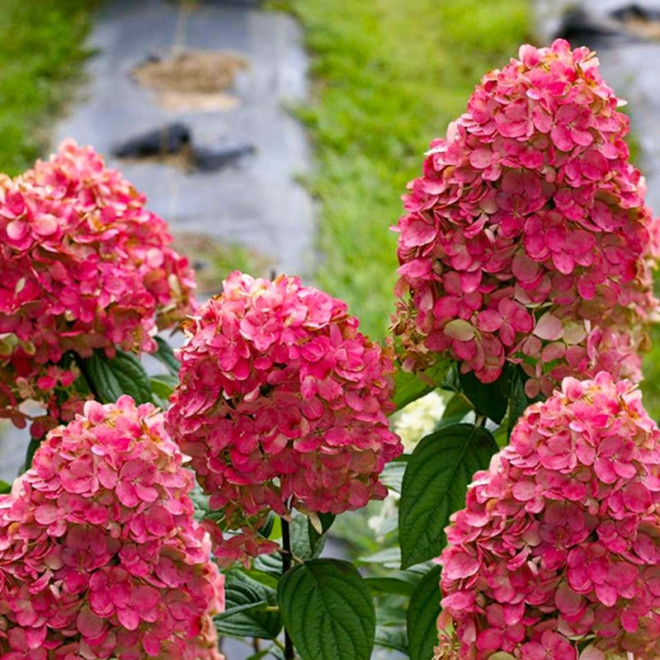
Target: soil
{"x": 193, "y": 80}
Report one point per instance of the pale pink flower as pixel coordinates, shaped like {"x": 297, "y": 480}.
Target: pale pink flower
{"x": 527, "y": 235}
{"x": 559, "y": 543}
{"x": 100, "y": 555}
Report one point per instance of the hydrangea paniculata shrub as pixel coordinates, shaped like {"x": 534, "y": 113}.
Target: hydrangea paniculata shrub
{"x": 527, "y": 238}
{"x": 100, "y": 555}
{"x": 557, "y": 553}
{"x": 282, "y": 403}
{"x": 84, "y": 266}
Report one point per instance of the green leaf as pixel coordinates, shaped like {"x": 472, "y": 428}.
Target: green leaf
{"x": 490, "y": 399}
{"x": 277, "y": 653}
{"x": 317, "y": 541}
{"x": 165, "y": 355}
{"x": 328, "y": 610}
{"x": 259, "y": 655}
{"x": 389, "y": 558}
{"x": 163, "y": 385}
{"x": 409, "y": 386}
{"x": 392, "y": 637}
{"x": 245, "y": 603}
{"x": 267, "y": 528}
{"x": 422, "y": 615}
{"x": 269, "y": 564}
{"x": 110, "y": 378}
{"x": 33, "y": 445}
{"x": 434, "y": 486}
{"x": 392, "y": 474}
{"x": 302, "y": 545}
{"x": 263, "y": 578}
{"x": 160, "y": 392}
{"x": 402, "y": 583}
{"x": 518, "y": 401}
{"x": 4, "y": 487}
{"x": 457, "y": 408}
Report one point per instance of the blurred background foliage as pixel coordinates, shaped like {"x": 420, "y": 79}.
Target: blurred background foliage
{"x": 42, "y": 49}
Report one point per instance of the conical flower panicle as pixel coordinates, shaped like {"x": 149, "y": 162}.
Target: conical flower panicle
{"x": 100, "y": 555}
{"x": 84, "y": 266}
{"x": 558, "y": 547}
{"x": 282, "y": 403}
{"x": 527, "y": 238}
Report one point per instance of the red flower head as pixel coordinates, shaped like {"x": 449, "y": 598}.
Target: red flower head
{"x": 100, "y": 556}
{"x": 282, "y": 401}
{"x": 527, "y": 239}
{"x": 557, "y": 553}
{"x": 84, "y": 266}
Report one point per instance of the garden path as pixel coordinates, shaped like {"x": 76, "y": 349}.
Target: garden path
{"x": 256, "y": 202}
{"x": 629, "y": 65}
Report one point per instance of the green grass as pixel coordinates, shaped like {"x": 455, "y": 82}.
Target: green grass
{"x": 390, "y": 75}
{"x": 42, "y": 48}
{"x": 651, "y": 367}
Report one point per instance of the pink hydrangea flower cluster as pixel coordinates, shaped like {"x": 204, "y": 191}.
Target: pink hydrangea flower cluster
{"x": 527, "y": 234}
{"x": 100, "y": 556}
{"x": 84, "y": 266}
{"x": 282, "y": 402}
{"x": 557, "y": 553}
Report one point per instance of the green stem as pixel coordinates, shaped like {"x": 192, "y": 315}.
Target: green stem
{"x": 289, "y": 653}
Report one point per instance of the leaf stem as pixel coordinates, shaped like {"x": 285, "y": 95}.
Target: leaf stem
{"x": 289, "y": 653}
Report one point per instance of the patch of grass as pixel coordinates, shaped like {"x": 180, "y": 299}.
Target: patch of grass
{"x": 390, "y": 76}
{"x": 42, "y": 48}
{"x": 651, "y": 367}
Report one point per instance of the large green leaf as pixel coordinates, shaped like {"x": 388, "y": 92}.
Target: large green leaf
{"x": 434, "y": 486}
{"x": 422, "y": 615}
{"x": 392, "y": 474}
{"x": 303, "y": 545}
{"x": 458, "y": 407}
{"x": 410, "y": 386}
{"x": 328, "y": 610}
{"x": 163, "y": 385}
{"x": 489, "y": 399}
{"x": 402, "y": 583}
{"x": 392, "y": 637}
{"x": 518, "y": 399}
{"x": 4, "y": 487}
{"x": 317, "y": 531}
{"x": 269, "y": 564}
{"x": 165, "y": 355}
{"x": 109, "y": 378}
{"x": 245, "y": 612}
{"x": 388, "y": 558}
